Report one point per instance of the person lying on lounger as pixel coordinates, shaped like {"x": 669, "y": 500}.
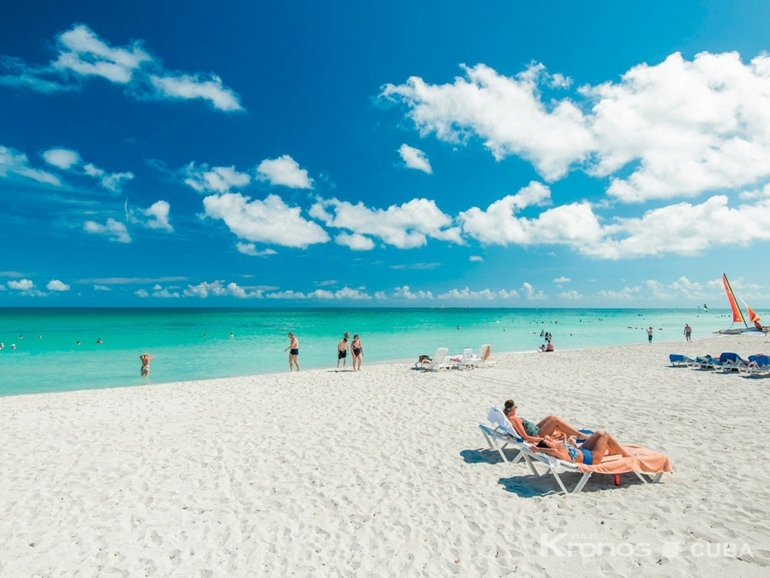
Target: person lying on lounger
{"x": 534, "y": 432}
{"x": 591, "y": 451}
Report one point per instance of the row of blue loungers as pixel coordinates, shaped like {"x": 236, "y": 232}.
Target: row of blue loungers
{"x": 755, "y": 364}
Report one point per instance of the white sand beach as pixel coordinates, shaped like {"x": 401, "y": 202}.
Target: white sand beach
{"x": 385, "y": 473}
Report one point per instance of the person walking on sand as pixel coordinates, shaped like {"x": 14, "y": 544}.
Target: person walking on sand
{"x": 649, "y": 335}
{"x": 687, "y": 332}
{"x": 146, "y": 359}
{"x": 358, "y": 352}
{"x": 293, "y": 350}
{"x": 342, "y": 351}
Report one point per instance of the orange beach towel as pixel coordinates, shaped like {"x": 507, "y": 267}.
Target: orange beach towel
{"x": 641, "y": 460}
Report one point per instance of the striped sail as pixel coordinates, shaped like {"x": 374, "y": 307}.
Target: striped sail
{"x": 737, "y": 315}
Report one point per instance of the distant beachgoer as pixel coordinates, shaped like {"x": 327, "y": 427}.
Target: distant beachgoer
{"x": 21, "y": 337}
{"x": 293, "y": 350}
{"x": 687, "y": 332}
{"x": 2, "y": 345}
{"x": 358, "y": 352}
{"x": 534, "y": 432}
{"x": 13, "y": 346}
{"x": 146, "y": 359}
{"x": 758, "y": 325}
{"x": 649, "y": 335}
{"x": 99, "y": 341}
{"x": 342, "y": 352}
{"x": 547, "y": 348}
{"x": 232, "y": 335}
{"x": 78, "y": 343}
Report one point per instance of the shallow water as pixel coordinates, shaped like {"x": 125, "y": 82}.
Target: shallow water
{"x": 192, "y": 344}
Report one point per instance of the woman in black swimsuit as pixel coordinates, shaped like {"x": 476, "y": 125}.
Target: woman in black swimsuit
{"x": 358, "y": 352}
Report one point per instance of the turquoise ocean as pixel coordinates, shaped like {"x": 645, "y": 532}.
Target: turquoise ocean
{"x": 193, "y": 344}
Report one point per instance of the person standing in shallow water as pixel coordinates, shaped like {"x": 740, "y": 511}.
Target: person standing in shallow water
{"x": 146, "y": 359}
{"x": 687, "y": 332}
{"x": 649, "y": 335}
{"x": 293, "y": 350}
{"x": 358, "y": 352}
{"x": 342, "y": 351}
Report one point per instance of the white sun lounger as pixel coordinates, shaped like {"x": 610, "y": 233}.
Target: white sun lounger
{"x": 501, "y": 434}
{"x": 555, "y": 465}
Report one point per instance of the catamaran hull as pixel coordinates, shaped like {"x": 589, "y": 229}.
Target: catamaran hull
{"x": 742, "y": 330}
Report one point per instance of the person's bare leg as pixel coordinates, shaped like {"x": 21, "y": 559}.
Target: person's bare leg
{"x": 601, "y": 443}
{"x": 552, "y": 423}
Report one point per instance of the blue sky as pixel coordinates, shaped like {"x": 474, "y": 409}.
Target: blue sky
{"x": 384, "y": 154}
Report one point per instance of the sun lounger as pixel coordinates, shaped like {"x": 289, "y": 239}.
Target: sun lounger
{"x": 732, "y": 362}
{"x": 679, "y": 360}
{"x": 642, "y": 462}
{"x": 759, "y": 364}
{"x": 435, "y": 362}
{"x": 708, "y": 362}
{"x": 501, "y": 434}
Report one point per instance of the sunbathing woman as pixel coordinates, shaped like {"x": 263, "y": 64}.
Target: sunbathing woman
{"x": 533, "y": 433}
{"x": 591, "y": 452}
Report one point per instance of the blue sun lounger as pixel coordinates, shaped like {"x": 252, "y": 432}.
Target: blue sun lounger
{"x": 679, "y": 360}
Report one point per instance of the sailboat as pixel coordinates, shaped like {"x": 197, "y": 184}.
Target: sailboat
{"x": 738, "y": 314}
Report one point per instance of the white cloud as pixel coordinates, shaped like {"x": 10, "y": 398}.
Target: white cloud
{"x": 506, "y": 113}
{"x": 415, "y": 159}
{"x": 683, "y": 126}
{"x": 215, "y": 179}
{"x": 346, "y": 293}
{"x": 81, "y": 54}
{"x": 405, "y": 293}
{"x": 530, "y": 293}
{"x": 142, "y": 293}
{"x": 115, "y": 230}
{"x": 570, "y": 295}
{"x": 15, "y": 164}
{"x": 269, "y": 221}
{"x": 251, "y": 249}
{"x": 69, "y": 160}
{"x": 625, "y": 294}
{"x": 62, "y": 158}
{"x": 574, "y": 225}
{"x": 203, "y": 290}
{"x": 219, "y": 289}
{"x": 56, "y": 285}
{"x": 686, "y": 229}
{"x": 21, "y": 285}
{"x": 355, "y": 241}
{"x": 101, "y": 288}
{"x": 111, "y": 181}
{"x": 284, "y": 171}
{"x": 186, "y": 87}
{"x": 467, "y": 294}
{"x": 475, "y": 258}
{"x": 164, "y": 293}
{"x": 562, "y": 279}
{"x": 157, "y": 214}
{"x": 404, "y": 226}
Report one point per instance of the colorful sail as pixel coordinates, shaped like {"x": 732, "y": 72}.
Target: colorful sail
{"x": 753, "y": 317}
{"x": 737, "y": 315}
